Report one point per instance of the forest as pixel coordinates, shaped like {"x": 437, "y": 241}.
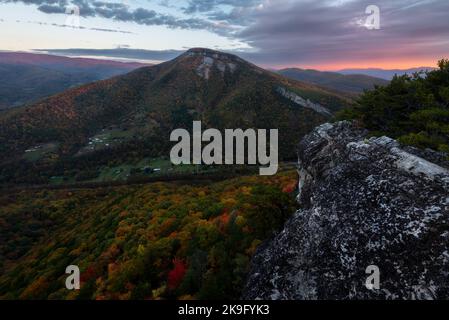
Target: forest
{"x": 149, "y": 241}
{"x": 413, "y": 109}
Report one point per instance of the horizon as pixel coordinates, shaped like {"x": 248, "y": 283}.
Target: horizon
{"x": 154, "y": 62}
{"x": 328, "y": 35}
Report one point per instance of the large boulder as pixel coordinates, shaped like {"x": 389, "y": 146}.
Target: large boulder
{"x": 364, "y": 202}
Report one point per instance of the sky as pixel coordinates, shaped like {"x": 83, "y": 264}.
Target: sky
{"x": 318, "y": 34}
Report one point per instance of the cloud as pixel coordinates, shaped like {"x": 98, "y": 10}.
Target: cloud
{"x": 233, "y": 12}
{"x": 310, "y": 32}
{"x": 121, "y": 52}
{"x": 212, "y": 5}
{"x": 125, "y": 52}
{"x": 75, "y": 27}
{"x": 119, "y": 11}
{"x": 297, "y": 32}
{"x": 47, "y": 8}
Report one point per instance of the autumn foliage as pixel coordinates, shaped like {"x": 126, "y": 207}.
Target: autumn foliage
{"x": 176, "y": 275}
{"x": 153, "y": 241}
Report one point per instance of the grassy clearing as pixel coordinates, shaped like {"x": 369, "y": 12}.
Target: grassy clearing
{"x": 40, "y": 151}
{"x": 106, "y": 139}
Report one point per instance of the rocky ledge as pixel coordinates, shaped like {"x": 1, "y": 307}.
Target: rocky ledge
{"x": 364, "y": 202}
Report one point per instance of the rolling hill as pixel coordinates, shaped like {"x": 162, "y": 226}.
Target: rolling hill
{"x": 28, "y": 77}
{"x": 353, "y": 84}
{"x": 130, "y": 117}
{"x": 385, "y": 74}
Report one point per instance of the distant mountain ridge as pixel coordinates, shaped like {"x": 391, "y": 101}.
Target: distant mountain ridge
{"x": 382, "y": 73}
{"x": 28, "y": 77}
{"x": 141, "y": 108}
{"x": 63, "y": 63}
{"x": 353, "y": 84}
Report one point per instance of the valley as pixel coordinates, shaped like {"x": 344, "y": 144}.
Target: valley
{"x": 121, "y": 121}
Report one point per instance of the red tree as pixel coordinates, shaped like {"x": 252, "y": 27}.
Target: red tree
{"x": 176, "y": 275}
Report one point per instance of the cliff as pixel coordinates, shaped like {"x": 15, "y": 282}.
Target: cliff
{"x": 364, "y": 202}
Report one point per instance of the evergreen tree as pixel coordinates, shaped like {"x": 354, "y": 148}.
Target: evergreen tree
{"x": 413, "y": 109}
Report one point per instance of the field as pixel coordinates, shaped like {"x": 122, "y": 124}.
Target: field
{"x": 40, "y": 151}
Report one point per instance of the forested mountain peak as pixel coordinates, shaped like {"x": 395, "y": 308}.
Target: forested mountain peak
{"x": 132, "y": 116}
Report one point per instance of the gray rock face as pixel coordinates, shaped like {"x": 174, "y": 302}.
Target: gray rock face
{"x": 303, "y": 102}
{"x": 363, "y": 202}
{"x": 211, "y": 59}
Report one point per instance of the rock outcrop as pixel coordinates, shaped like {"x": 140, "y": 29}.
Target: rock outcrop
{"x": 210, "y": 59}
{"x": 364, "y": 202}
{"x": 305, "y": 103}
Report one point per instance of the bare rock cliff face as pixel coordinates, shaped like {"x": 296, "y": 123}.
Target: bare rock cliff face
{"x": 364, "y": 201}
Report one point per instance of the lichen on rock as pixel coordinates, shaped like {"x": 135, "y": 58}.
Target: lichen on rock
{"x": 364, "y": 201}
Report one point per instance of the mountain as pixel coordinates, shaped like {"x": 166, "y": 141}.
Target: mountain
{"x": 28, "y": 77}
{"x": 130, "y": 117}
{"x": 383, "y": 74}
{"x": 353, "y": 84}
{"x": 106, "y": 68}
{"x": 367, "y": 206}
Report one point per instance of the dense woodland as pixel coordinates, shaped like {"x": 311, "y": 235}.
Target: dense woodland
{"x": 154, "y": 241}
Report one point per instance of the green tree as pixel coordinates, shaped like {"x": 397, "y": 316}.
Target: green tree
{"x": 412, "y": 108}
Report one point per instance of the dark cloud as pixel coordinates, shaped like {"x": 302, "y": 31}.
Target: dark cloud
{"x": 299, "y": 32}
{"x": 51, "y": 8}
{"x": 212, "y": 5}
{"x": 38, "y": 2}
{"x": 233, "y": 12}
{"x": 315, "y": 32}
{"x": 121, "y": 12}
